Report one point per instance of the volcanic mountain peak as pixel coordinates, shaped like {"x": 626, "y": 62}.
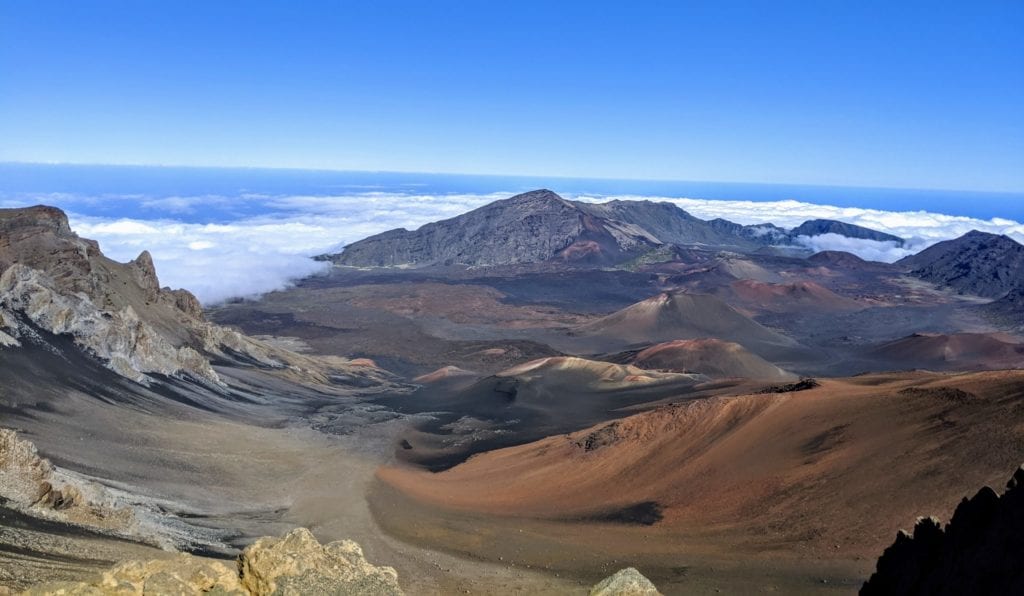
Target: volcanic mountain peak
{"x": 681, "y": 315}
{"x": 541, "y": 226}
{"x": 817, "y": 227}
{"x": 801, "y": 295}
{"x": 977, "y": 263}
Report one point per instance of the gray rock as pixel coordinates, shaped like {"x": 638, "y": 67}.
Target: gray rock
{"x": 626, "y": 582}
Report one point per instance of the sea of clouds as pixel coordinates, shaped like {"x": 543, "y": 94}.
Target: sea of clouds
{"x": 256, "y": 253}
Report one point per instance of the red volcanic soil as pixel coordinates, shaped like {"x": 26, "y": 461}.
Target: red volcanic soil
{"x": 823, "y": 475}
{"x": 712, "y": 357}
{"x": 799, "y": 296}
{"x": 959, "y": 351}
{"x": 580, "y": 249}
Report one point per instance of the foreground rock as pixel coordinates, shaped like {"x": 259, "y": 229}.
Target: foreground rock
{"x": 31, "y": 484}
{"x": 291, "y": 565}
{"x": 626, "y": 582}
{"x": 979, "y": 551}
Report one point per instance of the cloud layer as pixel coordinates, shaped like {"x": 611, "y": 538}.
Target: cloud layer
{"x": 265, "y": 242}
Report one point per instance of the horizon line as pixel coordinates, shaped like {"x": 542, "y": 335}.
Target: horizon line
{"x": 491, "y": 175}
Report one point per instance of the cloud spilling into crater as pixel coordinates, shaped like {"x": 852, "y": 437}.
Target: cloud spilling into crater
{"x": 262, "y": 243}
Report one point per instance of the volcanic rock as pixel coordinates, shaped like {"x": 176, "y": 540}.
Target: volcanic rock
{"x": 625, "y": 582}
{"x": 292, "y": 565}
{"x": 31, "y": 484}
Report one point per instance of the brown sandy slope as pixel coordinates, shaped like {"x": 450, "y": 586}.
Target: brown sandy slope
{"x": 820, "y": 476}
{"x": 711, "y": 357}
{"x": 958, "y": 351}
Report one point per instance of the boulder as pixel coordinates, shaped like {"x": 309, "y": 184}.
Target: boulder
{"x": 625, "y": 582}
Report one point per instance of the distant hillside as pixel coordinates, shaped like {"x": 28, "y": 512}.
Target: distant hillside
{"x": 540, "y": 226}
{"x": 817, "y": 227}
{"x": 976, "y": 263}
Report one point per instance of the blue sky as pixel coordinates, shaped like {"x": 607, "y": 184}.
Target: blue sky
{"x": 899, "y": 94}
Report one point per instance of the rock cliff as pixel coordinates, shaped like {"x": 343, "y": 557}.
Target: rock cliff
{"x": 50, "y": 279}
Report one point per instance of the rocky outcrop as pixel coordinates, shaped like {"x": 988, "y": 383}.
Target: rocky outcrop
{"x": 50, "y": 279}
{"x": 31, "y": 484}
{"x": 130, "y": 346}
{"x": 292, "y": 565}
{"x": 978, "y": 552}
{"x": 298, "y": 564}
{"x": 976, "y": 263}
{"x": 626, "y": 582}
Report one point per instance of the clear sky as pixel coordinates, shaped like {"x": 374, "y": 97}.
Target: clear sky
{"x": 892, "y": 93}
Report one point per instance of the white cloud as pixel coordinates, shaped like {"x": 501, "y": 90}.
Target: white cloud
{"x": 216, "y": 262}
{"x": 869, "y": 250}
{"x": 255, "y": 254}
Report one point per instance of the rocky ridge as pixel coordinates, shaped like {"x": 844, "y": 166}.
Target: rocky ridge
{"x": 540, "y": 226}
{"x": 976, "y": 263}
{"x": 53, "y": 280}
{"x": 817, "y": 227}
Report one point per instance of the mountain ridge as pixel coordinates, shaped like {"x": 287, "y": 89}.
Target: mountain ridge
{"x": 540, "y": 226}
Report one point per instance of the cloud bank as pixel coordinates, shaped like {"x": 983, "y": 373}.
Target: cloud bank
{"x": 263, "y": 243}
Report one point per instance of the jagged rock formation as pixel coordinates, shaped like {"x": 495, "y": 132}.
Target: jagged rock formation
{"x": 51, "y": 279}
{"x": 625, "y": 582}
{"x": 541, "y": 226}
{"x": 817, "y": 227}
{"x": 978, "y": 552}
{"x": 33, "y": 485}
{"x": 976, "y": 263}
{"x": 292, "y": 565}
{"x": 130, "y": 346}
